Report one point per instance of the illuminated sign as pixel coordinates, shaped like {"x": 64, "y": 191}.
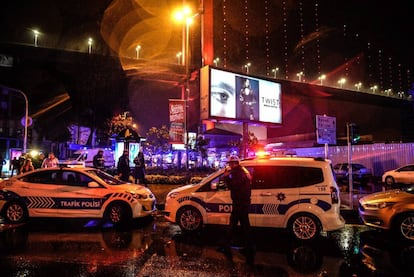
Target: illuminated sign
{"x": 228, "y": 95}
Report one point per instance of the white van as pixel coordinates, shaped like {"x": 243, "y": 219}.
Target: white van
{"x": 84, "y": 157}
{"x": 298, "y": 194}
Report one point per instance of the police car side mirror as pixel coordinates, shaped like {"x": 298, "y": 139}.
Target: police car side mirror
{"x": 93, "y": 184}
{"x": 213, "y": 186}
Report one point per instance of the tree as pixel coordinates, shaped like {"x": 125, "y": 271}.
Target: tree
{"x": 201, "y": 144}
{"x": 157, "y": 141}
{"x": 119, "y": 122}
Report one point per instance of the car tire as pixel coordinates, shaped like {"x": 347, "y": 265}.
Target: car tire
{"x": 117, "y": 213}
{"x": 389, "y": 181}
{"x": 404, "y": 226}
{"x": 304, "y": 226}
{"x": 15, "y": 212}
{"x": 189, "y": 219}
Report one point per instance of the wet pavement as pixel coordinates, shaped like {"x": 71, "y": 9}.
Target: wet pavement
{"x": 155, "y": 247}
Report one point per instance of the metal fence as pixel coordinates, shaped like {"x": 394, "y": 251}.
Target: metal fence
{"x": 379, "y": 157}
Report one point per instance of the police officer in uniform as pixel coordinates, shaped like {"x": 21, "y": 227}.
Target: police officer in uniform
{"x": 99, "y": 160}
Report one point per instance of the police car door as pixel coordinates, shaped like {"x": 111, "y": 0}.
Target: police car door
{"x": 272, "y": 195}
{"x": 77, "y": 199}
{"x": 216, "y": 201}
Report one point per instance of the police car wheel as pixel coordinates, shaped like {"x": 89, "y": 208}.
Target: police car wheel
{"x": 304, "y": 227}
{"x": 116, "y": 213}
{"x": 15, "y": 212}
{"x": 189, "y": 219}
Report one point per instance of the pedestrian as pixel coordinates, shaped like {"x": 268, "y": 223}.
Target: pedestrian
{"x": 139, "y": 171}
{"x": 2, "y": 162}
{"x": 27, "y": 166}
{"x": 238, "y": 180}
{"x": 50, "y": 161}
{"x": 99, "y": 160}
{"x": 14, "y": 166}
{"x": 123, "y": 167}
{"x": 37, "y": 161}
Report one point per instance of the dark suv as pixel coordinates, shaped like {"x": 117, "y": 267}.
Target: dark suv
{"x": 360, "y": 174}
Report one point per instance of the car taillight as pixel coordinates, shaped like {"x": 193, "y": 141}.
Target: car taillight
{"x": 334, "y": 195}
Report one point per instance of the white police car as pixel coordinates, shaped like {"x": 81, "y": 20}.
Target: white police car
{"x": 299, "y": 194}
{"x": 73, "y": 193}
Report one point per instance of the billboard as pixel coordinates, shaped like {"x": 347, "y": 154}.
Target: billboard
{"x": 230, "y": 96}
{"x": 177, "y": 121}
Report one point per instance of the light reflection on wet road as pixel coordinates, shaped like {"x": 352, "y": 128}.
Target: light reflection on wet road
{"x": 154, "y": 247}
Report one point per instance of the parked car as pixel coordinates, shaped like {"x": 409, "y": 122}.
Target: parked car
{"x": 73, "y": 192}
{"x": 390, "y": 210}
{"x": 360, "y": 173}
{"x": 401, "y": 175}
{"x": 298, "y": 194}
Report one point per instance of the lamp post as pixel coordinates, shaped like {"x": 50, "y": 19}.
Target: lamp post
{"x": 216, "y": 61}
{"x": 358, "y": 86}
{"x": 247, "y": 66}
{"x": 322, "y": 78}
{"x": 300, "y": 74}
{"x": 90, "y": 41}
{"x": 374, "y": 88}
{"x": 36, "y": 36}
{"x": 341, "y": 82}
{"x": 137, "y": 49}
{"x": 185, "y": 15}
{"x": 179, "y": 54}
{"x": 275, "y": 70}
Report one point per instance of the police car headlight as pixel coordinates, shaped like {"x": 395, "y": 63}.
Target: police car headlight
{"x": 140, "y": 196}
{"x": 172, "y": 194}
{"x": 378, "y": 206}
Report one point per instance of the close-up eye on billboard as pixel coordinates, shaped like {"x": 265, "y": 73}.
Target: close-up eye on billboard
{"x": 227, "y": 95}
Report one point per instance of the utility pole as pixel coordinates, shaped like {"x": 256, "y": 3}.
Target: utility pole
{"x": 350, "y": 179}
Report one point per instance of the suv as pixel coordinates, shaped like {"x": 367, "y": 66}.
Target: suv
{"x": 298, "y": 194}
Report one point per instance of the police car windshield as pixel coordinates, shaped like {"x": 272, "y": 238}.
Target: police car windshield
{"x": 109, "y": 179}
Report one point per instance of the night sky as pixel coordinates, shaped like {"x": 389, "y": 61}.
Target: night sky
{"x": 118, "y": 26}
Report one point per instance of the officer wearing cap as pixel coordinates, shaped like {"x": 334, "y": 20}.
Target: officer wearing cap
{"x": 238, "y": 180}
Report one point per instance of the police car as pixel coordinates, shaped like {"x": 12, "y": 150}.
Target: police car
{"x": 73, "y": 193}
{"x": 298, "y": 194}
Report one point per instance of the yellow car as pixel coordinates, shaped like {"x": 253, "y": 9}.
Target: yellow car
{"x": 390, "y": 210}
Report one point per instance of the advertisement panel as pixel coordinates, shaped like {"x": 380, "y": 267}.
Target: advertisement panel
{"x": 228, "y": 95}
{"x": 177, "y": 121}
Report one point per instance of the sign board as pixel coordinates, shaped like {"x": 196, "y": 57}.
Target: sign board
{"x": 325, "y": 129}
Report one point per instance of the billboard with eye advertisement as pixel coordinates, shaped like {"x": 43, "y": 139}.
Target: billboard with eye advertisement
{"x": 235, "y": 97}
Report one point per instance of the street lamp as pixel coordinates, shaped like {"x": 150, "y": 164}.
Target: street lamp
{"x": 247, "y": 65}
{"x": 275, "y": 70}
{"x": 216, "y": 61}
{"x": 179, "y": 54}
{"x": 90, "y": 41}
{"x": 137, "y": 49}
{"x": 358, "y": 86}
{"x": 36, "y": 36}
{"x": 186, "y": 15}
{"x": 322, "y": 78}
{"x": 374, "y": 88}
{"x": 300, "y": 74}
{"x": 341, "y": 82}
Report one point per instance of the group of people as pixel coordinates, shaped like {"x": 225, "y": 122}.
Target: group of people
{"x": 26, "y": 163}
{"x": 124, "y": 170}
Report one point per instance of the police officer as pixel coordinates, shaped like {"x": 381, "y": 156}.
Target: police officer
{"x": 238, "y": 180}
{"x": 99, "y": 160}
